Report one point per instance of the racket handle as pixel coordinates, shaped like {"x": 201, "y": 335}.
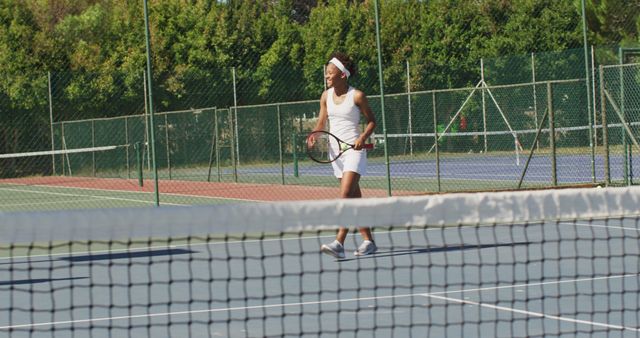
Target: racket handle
{"x": 367, "y": 146}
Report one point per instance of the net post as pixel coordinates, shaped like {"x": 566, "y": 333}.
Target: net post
{"x": 435, "y": 137}
{"x": 605, "y": 129}
{"x": 552, "y": 134}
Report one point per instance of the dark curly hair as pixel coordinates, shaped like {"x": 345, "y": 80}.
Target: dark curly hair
{"x": 346, "y": 61}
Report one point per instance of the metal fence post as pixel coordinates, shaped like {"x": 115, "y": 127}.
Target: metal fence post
{"x": 552, "y": 135}
{"x": 280, "y": 144}
{"x": 435, "y": 137}
{"x": 605, "y": 128}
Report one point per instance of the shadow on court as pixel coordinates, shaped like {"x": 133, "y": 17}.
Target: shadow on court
{"x": 127, "y": 255}
{"x": 449, "y": 248}
{"x": 105, "y": 256}
{"x": 37, "y": 280}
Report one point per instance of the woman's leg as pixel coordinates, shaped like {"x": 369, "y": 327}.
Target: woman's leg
{"x": 350, "y": 188}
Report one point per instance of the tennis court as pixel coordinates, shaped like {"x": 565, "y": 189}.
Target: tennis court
{"x": 90, "y": 186}
{"x": 514, "y": 264}
{"x": 571, "y": 168}
{"x": 82, "y": 193}
{"x": 161, "y": 187}
{"x": 55, "y": 193}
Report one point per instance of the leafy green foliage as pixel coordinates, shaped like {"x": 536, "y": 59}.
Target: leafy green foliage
{"x": 95, "y": 50}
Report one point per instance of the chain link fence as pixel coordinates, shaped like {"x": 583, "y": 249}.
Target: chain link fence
{"x": 477, "y": 127}
{"x": 619, "y": 103}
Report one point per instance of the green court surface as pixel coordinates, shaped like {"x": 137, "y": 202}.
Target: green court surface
{"x": 31, "y": 198}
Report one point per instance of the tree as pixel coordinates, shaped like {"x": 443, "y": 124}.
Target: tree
{"x": 613, "y": 21}
{"x": 23, "y": 86}
{"x": 280, "y": 66}
{"x": 340, "y": 26}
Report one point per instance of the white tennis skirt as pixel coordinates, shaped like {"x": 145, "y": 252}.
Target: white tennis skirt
{"x": 351, "y": 160}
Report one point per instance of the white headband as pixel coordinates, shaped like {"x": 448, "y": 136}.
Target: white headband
{"x": 340, "y": 66}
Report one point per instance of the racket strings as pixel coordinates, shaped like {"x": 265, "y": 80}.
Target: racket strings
{"x": 320, "y": 146}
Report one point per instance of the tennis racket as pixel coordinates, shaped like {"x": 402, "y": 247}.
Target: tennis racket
{"x": 319, "y": 143}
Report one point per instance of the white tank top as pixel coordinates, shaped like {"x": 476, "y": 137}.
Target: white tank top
{"x": 344, "y": 118}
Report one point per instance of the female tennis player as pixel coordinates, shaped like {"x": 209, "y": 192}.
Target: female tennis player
{"x": 342, "y": 105}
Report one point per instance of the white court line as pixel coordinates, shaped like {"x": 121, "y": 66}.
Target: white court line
{"x": 533, "y": 314}
{"x": 35, "y": 203}
{"x": 132, "y": 192}
{"x": 79, "y": 195}
{"x": 332, "y": 301}
{"x": 526, "y": 285}
{"x": 539, "y": 314}
{"x": 469, "y": 177}
{"x": 603, "y": 226}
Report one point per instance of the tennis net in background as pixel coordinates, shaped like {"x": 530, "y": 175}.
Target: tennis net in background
{"x": 528, "y": 263}
{"x": 111, "y": 161}
{"x": 497, "y": 141}
{"x": 70, "y": 178}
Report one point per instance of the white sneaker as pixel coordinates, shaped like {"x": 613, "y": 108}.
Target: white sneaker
{"x": 334, "y": 249}
{"x": 366, "y": 248}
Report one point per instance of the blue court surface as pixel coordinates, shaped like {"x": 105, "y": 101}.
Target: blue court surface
{"x": 476, "y": 167}
{"x": 566, "y": 279}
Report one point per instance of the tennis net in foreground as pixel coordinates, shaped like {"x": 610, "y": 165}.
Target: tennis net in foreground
{"x": 536, "y": 263}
